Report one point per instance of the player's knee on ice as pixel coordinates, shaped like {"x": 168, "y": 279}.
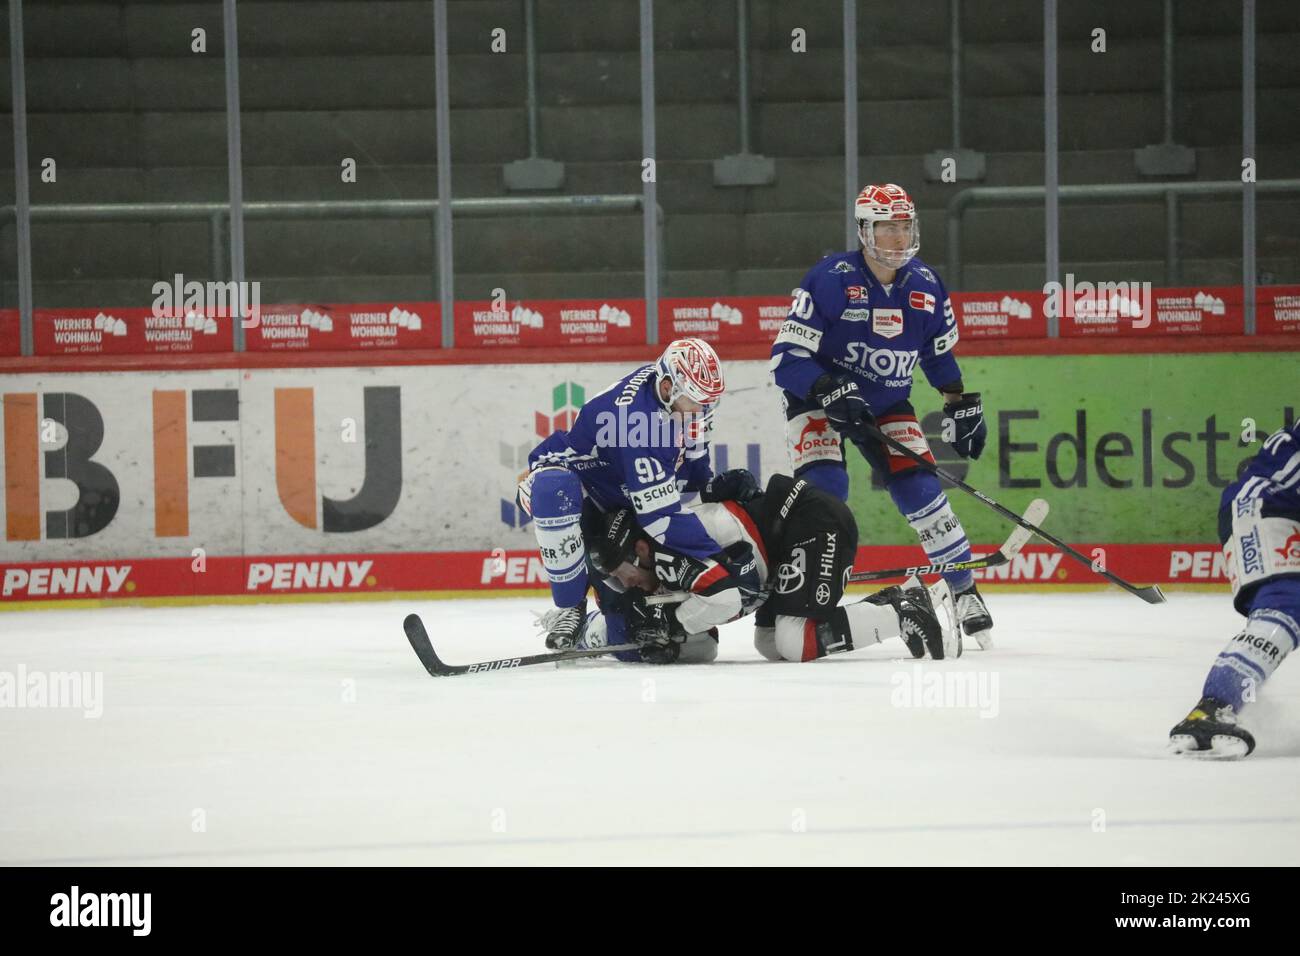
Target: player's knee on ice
{"x": 556, "y": 500}
{"x": 699, "y": 649}
{"x": 796, "y": 638}
{"x": 849, "y": 627}
{"x": 765, "y": 642}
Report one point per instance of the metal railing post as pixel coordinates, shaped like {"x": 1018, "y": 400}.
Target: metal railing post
{"x": 1171, "y": 237}
{"x": 234, "y": 168}
{"x": 1051, "y": 169}
{"x": 1248, "y": 151}
{"x": 216, "y": 237}
{"x": 850, "y": 121}
{"x": 742, "y": 71}
{"x": 650, "y": 238}
{"x": 743, "y": 168}
{"x": 442, "y": 122}
{"x": 530, "y": 68}
{"x": 22, "y": 198}
{"x": 954, "y": 66}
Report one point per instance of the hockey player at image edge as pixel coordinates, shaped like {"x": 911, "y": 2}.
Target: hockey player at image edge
{"x": 859, "y": 324}
{"x": 1259, "y": 525}
{"x": 638, "y": 444}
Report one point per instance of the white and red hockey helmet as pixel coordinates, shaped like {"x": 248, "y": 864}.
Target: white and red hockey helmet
{"x": 888, "y": 203}
{"x": 694, "y": 370}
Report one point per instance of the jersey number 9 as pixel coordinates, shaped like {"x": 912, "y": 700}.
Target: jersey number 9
{"x": 649, "y": 470}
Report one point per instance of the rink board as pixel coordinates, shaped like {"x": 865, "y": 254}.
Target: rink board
{"x": 302, "y": 480}
{"x": 272, "y": 577}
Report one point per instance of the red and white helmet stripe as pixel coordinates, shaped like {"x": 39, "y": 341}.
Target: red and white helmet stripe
{"x": 694, "y": 370}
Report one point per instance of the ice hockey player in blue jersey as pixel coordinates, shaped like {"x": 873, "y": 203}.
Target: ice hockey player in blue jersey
{"x": 639, "y": 444}
{"x": 1259, "y": 526}
{"x": 859, "y": 324}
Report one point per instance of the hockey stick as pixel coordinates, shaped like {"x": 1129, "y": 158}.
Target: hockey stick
{"x": 423, "y": 647}
{"x": 1034, "y": 515}
{"x": 1152, "y": 594}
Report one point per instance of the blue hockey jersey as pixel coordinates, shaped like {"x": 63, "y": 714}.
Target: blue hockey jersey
{"x": 628, "y": 451}
{"x": 1272, "y": 476}
{"x": 843, "y": 320}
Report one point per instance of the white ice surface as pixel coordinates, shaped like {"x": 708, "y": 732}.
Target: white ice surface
{"x": 243, "y": 713}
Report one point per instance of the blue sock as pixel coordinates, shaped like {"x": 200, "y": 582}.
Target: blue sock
{"x": 1270, "y": 634}
{"x": 919, "y": 497}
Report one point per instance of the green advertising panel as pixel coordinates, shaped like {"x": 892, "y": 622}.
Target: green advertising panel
{"x": 1125, "y": 448}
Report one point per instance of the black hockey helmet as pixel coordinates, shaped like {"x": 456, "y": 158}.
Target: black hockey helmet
{"x": 611, "y": 537}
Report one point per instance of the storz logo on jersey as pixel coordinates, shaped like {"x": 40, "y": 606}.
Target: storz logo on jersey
{"x": 889, "y": 363}
{"x": 856, "y": 293}
{"x": 921, "y": 300}
{"x": 887, "y": 323}
{"x": 1252, "y": 560}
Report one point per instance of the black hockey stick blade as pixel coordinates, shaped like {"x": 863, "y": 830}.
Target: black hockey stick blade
{"x": 1152, "y": 595}
{"x": 423, "y": 647}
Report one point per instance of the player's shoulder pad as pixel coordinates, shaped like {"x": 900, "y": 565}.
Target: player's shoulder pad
{"x": 636, "y": 388}
{"x": 1287, "y": 435}
{"x": 830, "y": 272}
{"x": 921, "y": 276}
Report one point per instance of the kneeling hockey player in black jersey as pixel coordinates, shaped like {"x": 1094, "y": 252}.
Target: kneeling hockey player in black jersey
{"x": 786, "y": 555}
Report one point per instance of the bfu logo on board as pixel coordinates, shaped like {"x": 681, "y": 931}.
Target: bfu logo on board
{"x": 58, "y": 435}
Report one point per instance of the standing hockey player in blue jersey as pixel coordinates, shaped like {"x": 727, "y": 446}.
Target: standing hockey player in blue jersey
{"x": 1259, "y": 526}
{"x": 638, "y": 444}
{"x": 859, "y": 324}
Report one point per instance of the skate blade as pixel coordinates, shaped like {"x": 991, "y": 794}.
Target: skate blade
{"x": 1222, "y": 747}
{"x": 945, "y": 609}
{"x": 983, "y": 638}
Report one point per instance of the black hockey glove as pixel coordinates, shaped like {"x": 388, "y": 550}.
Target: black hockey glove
{"x": 844, "y": 405}
{"x": 661, "y": 652}
{"x": 654, "y": 627}
{"x": 738, "y": 484}
{"x": 964, "y": 421}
